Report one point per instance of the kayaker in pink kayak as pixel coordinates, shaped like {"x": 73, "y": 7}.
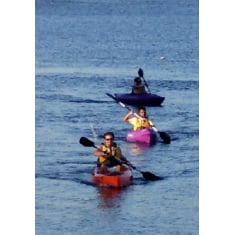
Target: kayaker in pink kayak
{"x": 138, "y": 122}
{"x": 109, "y": 154}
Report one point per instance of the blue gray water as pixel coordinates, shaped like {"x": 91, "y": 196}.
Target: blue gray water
{"x": 83, "y": 50}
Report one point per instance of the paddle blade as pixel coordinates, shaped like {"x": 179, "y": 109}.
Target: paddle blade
{"x": 111, "y": 96}
{"x": 165, "y": 137}
{"x": 86, "y": 142}
{"x": 141, "y": 72}
{"x": 150, "y": 176}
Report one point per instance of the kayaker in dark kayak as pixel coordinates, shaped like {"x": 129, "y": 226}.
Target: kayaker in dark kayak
{"x": 138, "y": 87}
{"x": 109, "y": 154}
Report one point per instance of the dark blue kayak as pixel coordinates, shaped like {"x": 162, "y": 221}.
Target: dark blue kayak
{"x": 147, "y": 99}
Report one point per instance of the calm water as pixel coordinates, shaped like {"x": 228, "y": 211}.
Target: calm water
{"x": 83, "y": 50}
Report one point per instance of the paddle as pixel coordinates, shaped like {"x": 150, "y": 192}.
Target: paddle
{"x": 164, "y": 136}
{"x": 141, "y": 74}
{"x": 147, "y": 175}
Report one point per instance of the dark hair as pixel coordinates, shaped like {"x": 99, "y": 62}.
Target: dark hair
{"x": 142, "y": 107}
{"x": 108, "y": 133}
{"x": 137, "y": 79}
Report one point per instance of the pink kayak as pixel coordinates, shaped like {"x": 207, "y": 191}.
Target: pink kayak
{"x": 145, "y": 136}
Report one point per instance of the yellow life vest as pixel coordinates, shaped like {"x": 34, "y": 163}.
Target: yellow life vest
{"x": 138, "y": 123}
{"x": 114, "y": 150}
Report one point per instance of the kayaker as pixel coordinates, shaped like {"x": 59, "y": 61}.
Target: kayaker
{"x": 138, "y": 87}
{"x": 138, "y": 122}
{"x": 109, "y": 154}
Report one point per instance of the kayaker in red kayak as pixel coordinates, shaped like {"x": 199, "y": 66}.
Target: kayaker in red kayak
{"x": 109, "y": 154}
{"x": 136, "y": 122}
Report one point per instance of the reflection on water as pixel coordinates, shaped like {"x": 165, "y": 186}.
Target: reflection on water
{"x": 136, "y": 149}
{"x": 109, "y": 197}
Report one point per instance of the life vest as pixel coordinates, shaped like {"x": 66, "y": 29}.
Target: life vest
{"x": 138, "y": 89}
{"x": 114, "y": 150}
{"x": 138, "y": 123}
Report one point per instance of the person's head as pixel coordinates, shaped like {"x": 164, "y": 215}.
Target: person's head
{"x": 108, "y": 138}
{"x": 137, "y": 80}
{"x": 142, "y": 111}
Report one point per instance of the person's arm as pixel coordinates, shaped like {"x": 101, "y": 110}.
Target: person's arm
{"x": 127, "y": 116}
{"x": 99, "y": 153}
{"x": 143, "y": 89}
{"x": 120, "y": 155}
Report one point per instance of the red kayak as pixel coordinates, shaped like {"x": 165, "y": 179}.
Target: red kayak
{"x": 113, "y": 179}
